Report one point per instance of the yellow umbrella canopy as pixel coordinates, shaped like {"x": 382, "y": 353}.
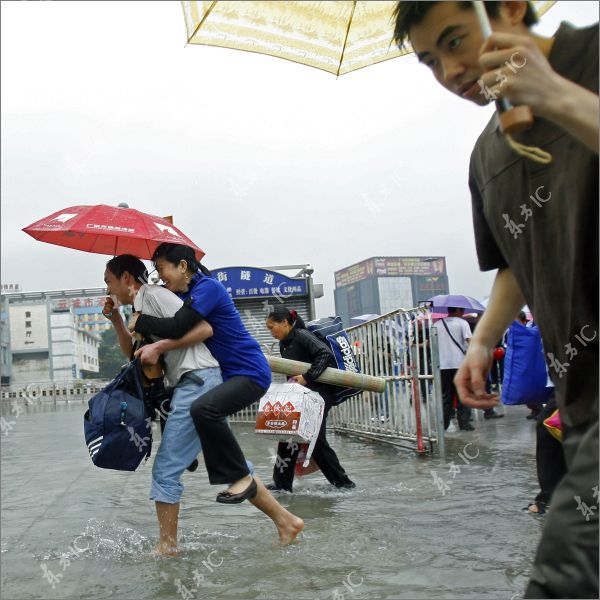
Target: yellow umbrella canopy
{"x": 337, "y": 36}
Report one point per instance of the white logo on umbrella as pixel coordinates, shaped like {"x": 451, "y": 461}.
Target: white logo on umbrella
{"x": 166, "y": 228}
{"x": 64, "y": 217}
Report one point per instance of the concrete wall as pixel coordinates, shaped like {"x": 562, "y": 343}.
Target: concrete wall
{"x": 28, "y": 368}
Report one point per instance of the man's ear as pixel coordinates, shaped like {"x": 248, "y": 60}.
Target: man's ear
{"x": 513, "y": 13}
{"x": 128, "y": 279}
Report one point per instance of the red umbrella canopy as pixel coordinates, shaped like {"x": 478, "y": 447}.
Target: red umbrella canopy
{"x": 108, "y": 230}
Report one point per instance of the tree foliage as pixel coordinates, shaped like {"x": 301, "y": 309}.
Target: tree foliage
{"x": 110, "y": 357}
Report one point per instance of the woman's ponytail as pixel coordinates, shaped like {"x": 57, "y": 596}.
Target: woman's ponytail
{"x": 281, "y": 313}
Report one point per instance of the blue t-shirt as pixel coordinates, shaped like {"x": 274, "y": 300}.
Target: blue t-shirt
{"x": 236, "y": 350}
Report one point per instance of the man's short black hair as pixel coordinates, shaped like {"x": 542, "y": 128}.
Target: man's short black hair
{"x": 408, "y": 14}
{"x": 127, "y": 262}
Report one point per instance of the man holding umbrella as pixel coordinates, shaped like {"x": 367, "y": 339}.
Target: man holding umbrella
{"x": 536, "y": 222}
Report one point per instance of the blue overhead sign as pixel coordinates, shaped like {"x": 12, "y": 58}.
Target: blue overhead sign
{"x": 250, "y": 282}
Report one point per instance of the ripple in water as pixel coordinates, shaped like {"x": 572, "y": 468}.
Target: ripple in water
{"x": 100, "y": 539}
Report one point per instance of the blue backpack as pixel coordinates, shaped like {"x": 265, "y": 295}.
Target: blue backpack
{"x": 525, "y": 372}
{"x": 117, "y": 425}
{"x": 331, "y": 331}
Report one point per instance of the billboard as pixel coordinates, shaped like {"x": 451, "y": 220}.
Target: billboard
{"x": 354, "y": 273}
{"x": 391, "y": 266}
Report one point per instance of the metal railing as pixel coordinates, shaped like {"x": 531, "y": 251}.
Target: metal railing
{"x": 48, "y": 391}
{"x": 401, "y": 347}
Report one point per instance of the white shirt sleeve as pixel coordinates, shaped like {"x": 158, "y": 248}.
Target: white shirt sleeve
{"x": 157, "y": 301}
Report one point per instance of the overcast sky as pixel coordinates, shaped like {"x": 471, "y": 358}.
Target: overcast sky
{"x": 261, "y": 161}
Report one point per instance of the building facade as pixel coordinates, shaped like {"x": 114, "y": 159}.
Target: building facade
{"x": 382, "y": 284}
{"x": 46, "y": 339}
{"x": 5, "y": 354}
{"x": 55, "y": 335}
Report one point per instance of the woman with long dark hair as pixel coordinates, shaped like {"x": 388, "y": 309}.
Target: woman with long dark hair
{"x": 245, "y": 370}
{"x": 297, "y": 343}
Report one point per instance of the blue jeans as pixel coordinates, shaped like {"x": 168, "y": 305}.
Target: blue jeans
{"x": 180, "y": 443}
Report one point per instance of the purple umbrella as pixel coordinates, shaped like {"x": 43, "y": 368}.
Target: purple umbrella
{"x": 445, "y": 301}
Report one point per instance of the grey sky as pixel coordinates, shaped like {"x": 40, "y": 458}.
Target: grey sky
{"x": 261, "y": 161}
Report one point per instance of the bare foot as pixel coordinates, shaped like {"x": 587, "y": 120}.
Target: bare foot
{"x": 163, "y": 549}
{"x": 240, "y": 485}
{"x": 289, "y": 529}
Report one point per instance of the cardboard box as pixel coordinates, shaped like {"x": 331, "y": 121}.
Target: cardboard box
{"x": 290, "y": 410}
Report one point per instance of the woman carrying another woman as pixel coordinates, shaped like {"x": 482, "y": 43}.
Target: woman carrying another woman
{"x": 297, "y": 343}
{"x": 246, "y": 376}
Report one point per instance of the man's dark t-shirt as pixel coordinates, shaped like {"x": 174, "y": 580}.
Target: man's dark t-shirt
{"x": 542, "y": 221}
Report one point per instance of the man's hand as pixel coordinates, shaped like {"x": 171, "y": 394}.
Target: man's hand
{"x": 149, "y": 354}
{"x": 515, "y": 68}
{"x": 110, "y": 311}
{"x": 471, "y": 377}
{"x": 300, "y": 379}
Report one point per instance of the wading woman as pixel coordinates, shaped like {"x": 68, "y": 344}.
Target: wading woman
{"x": 297, "y": 343}
{"x": 246, "y": 377}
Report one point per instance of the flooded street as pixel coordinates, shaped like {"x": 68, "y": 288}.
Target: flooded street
{"x": 415, "y": 527}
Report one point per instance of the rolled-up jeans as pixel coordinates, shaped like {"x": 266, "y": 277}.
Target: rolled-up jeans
{"x": 180, "y": 443}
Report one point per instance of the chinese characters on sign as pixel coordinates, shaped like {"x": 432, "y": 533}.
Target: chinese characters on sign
{"x": 398, "y": 266}
{"x": 247, "y": 282}
{"x": 67, "y": 303}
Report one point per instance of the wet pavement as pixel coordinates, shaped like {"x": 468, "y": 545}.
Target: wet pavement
{"x": 415, "y": 527}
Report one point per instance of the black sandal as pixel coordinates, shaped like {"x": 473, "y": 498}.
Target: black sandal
{"x": 229, "y": 498}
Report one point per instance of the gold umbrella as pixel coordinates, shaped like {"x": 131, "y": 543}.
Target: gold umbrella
{"x": 339, "y": 36}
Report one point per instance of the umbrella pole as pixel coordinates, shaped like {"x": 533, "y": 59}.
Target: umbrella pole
{"x": 346, "y": 38}
{"x": 513, "y": 119}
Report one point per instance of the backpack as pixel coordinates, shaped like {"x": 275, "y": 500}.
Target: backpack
{"x": 331, "y": 331}
{"x": 117, "y": 424}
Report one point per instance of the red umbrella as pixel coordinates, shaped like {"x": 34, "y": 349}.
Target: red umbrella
{"x": 108, "y": 230}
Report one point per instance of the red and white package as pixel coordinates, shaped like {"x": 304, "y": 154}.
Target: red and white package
{"x": 291, "y": 410}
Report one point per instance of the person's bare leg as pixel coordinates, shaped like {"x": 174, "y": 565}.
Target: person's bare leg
{"x": 288, "y": 525}
{"x": 168, "y": 517}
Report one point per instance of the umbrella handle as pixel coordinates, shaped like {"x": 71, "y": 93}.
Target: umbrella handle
{"x": 512, "y": 119}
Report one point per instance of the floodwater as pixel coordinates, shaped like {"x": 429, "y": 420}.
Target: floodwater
{"x": 415, "y": 527}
